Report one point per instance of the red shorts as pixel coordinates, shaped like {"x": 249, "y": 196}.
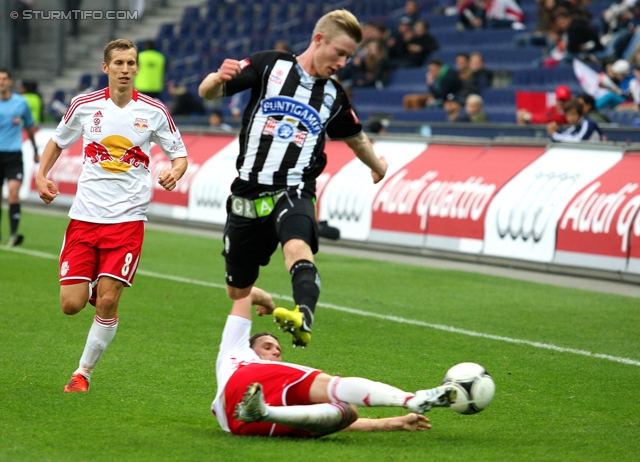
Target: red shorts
{"x": 91, "y": 250}
{"x": 283, "y": 385}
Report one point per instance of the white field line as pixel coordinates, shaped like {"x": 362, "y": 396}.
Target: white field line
{"x": 398, "y": 319}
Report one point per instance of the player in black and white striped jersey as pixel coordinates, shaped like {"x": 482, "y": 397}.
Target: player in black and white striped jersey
{"x": 294, "y": 105}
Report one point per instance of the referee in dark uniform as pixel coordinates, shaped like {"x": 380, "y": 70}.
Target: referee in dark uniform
{"x": 294, "y": 105}
{"x": 14, "y": 114}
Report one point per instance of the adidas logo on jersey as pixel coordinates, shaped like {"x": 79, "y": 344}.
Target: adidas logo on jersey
{"x": 97, "y": 114}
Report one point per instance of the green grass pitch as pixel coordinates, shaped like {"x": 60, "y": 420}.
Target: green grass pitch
{"x": 572, "y": 396}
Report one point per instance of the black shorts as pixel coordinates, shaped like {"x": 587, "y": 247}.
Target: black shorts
{"x": 250, "y": 242}
{"x": 11, "y": 166}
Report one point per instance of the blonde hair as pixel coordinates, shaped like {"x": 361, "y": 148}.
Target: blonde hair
{"x": 339, "y": 22}
{"x": 474, "y": 98}
{"x": 119, "y": 45}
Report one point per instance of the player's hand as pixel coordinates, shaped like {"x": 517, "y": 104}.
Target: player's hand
{"x": 229, "y": 69}
{"x": 413, "y": 422}
{"x": 377, "y": 176}
{"x": 552, "y": 127}
{"x": 47, "y": 189}
{"x": 167, "y": 180}
{"x": 261, "y": 310}
{"x": 36, "y": 157}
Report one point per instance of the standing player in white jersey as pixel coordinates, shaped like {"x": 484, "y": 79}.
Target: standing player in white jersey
{"x": 294, "y": 106}
{"x": 302, "y": 402}
{"x": 102, "y": 244}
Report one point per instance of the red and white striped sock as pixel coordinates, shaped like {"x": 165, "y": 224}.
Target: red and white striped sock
{"x": 100, "y": 335}
{"x": 365, "y": 392}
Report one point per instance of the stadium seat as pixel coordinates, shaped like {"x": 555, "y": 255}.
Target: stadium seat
{"x": 165, "y": 32}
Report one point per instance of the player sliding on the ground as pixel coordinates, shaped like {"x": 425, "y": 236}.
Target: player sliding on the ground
{"x": 303, "y": 402}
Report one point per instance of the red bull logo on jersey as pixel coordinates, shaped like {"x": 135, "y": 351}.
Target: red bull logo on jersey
{"x": 96, "y": 152}
{"x": 141, "y": 125}
{"x": 283, "y": 105}
{"x": 116, "y": 154}
{"x": 135, "y": 157}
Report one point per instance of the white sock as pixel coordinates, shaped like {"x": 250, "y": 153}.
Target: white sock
{"x": 314, "y": 418}
{"x": 100, "y": 335}
{"x": 364, "y": 392}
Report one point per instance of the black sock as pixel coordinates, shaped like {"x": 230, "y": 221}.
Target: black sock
{"x": 14, "y": 217}
{"x": 305, "y": 281}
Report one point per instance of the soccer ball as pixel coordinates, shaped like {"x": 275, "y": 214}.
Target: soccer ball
{"x": 474, "y": 385}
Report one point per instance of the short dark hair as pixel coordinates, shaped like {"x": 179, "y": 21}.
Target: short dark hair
{"x": 587, "y": 99}
{"x": 574, "y": 105}
{"x": 4, "y": 70}
{"x": 436, "y": 62}
{"x": 256, "y": 336}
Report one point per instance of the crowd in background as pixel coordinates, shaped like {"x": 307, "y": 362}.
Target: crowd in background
{"x": 565, "y": 30}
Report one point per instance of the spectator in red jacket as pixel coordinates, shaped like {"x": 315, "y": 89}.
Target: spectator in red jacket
{"x": 554, "y": 114}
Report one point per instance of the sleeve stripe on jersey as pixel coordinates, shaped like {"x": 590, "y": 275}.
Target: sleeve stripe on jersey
{"x": 152, "y": 102}
{"x": 80, "y": 100}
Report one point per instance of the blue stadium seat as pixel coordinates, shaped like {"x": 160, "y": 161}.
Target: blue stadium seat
{"x": 103, "y": 81}
{"x": 165, "y": 32}
{"x": 191, "y": 14}
{"x": 426, "y": 115}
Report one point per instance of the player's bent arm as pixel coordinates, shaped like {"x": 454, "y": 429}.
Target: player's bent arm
{"x": 46, "y": 188}
{"x": 168, "y": 179}
{"x": 212, "y": 85}
{"x": 363, "y": 149}
{"x": 258, "y": 297}
{"x": 409, "y": 422}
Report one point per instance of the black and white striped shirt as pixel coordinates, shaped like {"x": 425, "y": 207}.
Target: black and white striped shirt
{"x": 285, "y": 122}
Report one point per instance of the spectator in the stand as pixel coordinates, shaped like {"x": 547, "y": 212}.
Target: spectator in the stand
{"x": 411, "y": 12}
{"x": 183, "y": 102}
{"x": 465, "y": 73}
{"x": 578, "y": 34}
{"x": 618, "y": 85}
{"x": 582, "y": 128}
{"x": 216, "y": 120}
{"x": 373, "y": 69}
{"x": 634, "y": 86}
{"x": 29, "y": 90}
{"x": 545, "y": 34}
{"x": 398, "y": 42}
{"x": 504, "y": 13}
{"x": 462, "y": 66}
{"x": 441, "y": 80}
{"x": 474, "y": 108}
{"x": 481, "y": 78}
{"x": 471, "y": 14}
{"x": 151, "y": 66}
{"x": 453, "y": 107}
{"x": 589, "y": 106}
{"x": 421, "y": 45}
{"x": 554, "y": 114}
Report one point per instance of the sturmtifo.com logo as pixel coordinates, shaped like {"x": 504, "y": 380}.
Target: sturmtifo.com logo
{"x": 74, "y": 14}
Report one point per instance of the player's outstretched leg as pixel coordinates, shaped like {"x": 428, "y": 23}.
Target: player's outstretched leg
{"x": 318, "y": 419}
{"x": 424, "y": 400}
{"x": 292, "y": 321}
